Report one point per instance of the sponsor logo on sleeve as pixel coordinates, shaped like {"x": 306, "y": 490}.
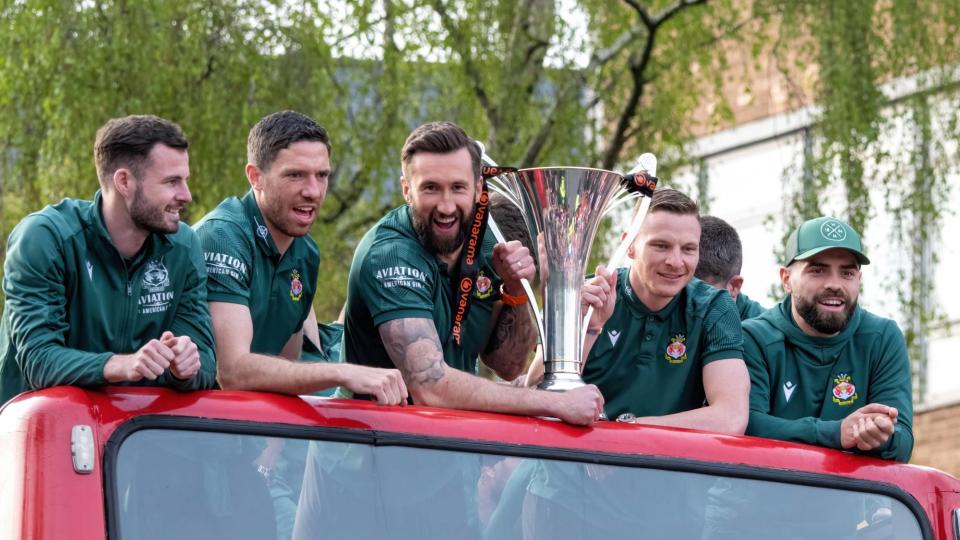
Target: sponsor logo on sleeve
{"x": 844, "y": 391}
{"x": 677, "y": 349}
{"x": 156, "y": 295}
{"x": 296, "y": 286}
{"x": 401, "y": 276}
{"x": 223, "y": 264}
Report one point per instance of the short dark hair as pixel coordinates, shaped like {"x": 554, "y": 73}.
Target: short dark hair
{"x": 279, "y": 130}
{"x": 440, "y": 138}
{"x": 671, "y": 200}
{"x": 721, "y": 253}
{"x": 127, "y": 141}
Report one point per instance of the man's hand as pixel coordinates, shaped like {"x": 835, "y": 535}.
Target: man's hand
{"x": 186, "y": 356}
{"x": 513, "y": 262}
{"x": 580, "y": 406}
{"x": 868, "y": 427}
{"x": 600, "y": 292}
{"x": 386, "y": 385}
{"x": 147, "y": 363}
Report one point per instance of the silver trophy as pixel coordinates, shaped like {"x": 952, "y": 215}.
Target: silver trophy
{"x": 565, "y": 206}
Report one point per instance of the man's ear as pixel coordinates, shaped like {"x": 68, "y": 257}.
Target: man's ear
{"x": 785, "y": 279}
{"x": 405, "y": 187}
{"x": 734, "y": 285}
{"x": 123, "y": 182}
{"x": 479, "y": 189}
{"x": 254, "y": 176}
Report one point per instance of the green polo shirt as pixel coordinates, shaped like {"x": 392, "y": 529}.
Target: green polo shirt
{"x": 748, "y": 308}
{"x": 72, "y": 301}
{"x": 394, "y": 277}
{"x": 245, "y": 267}
{"x": 802, "y": 387}
{"x": 651, "y": 363}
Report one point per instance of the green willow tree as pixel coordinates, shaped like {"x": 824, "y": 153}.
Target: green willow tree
{"x": 536, "y": 87}
{"x": 862, "y": 48}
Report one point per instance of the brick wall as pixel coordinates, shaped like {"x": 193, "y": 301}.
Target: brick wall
{"x": 936, "y": 431}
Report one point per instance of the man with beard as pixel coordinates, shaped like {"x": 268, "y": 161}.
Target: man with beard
{"x": 111, "y": 291}
{"x": 262, "y": 268}
{"x": 824, "y": 370}
{"x": 407, "y": 305}
{"x": 721, "y": 256}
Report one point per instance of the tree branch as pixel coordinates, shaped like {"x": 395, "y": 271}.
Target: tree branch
{"x": 468, "y": 63}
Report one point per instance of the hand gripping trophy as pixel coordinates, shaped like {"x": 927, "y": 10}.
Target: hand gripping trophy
{"x": 564, "y": 206}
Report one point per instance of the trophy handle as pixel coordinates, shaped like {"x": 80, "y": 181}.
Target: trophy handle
{"x": 537, "y": 316}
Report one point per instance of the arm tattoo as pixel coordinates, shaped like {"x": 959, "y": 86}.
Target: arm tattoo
{"x": 513, "y": 338}
{"x": 415, "y": 349}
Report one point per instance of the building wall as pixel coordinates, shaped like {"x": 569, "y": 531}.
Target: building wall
{"x": 936, "y": 432}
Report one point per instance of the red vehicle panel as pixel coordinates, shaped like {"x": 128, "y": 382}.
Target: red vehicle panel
{"x": 41, "y": 496}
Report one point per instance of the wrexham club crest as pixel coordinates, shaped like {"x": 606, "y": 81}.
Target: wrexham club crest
{"x": 844, "y": 392}
{"x": 296, "y": 286}
{"x": 484, "y": 287}
{"x": 677, "y": 349}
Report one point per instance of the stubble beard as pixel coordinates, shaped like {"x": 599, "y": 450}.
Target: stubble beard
{"x": 150, "y": 218}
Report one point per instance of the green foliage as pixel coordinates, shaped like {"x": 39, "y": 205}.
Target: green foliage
{"x": 525, "y": 76}
{"x": 859, "y": 47}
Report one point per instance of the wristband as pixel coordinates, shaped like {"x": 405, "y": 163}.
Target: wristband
{"x": 511, "y": 300}
{"x": 594, "y": 331}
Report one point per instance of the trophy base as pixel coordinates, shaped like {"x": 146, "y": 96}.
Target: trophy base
{"x": 561, "y": 382}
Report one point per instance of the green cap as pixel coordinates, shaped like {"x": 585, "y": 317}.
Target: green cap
{"x": 820, "y": 234}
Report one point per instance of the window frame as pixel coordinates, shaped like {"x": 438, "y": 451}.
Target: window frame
{"x": 430, "y": 442}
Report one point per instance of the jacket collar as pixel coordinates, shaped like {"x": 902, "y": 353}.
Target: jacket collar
{"x": 155, "y": 245}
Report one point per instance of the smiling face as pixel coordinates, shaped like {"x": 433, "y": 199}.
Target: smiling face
{"x": 665, "y": 255}
{"x": 441, "y": 191}
{"x": 824, "y": 291}
{"x": 161, "y": 190}
{"x": 289, "y": 192}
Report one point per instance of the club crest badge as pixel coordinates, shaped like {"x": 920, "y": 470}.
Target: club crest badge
{"x": 296, "y": 286}
{"x": 484, "y": 287}
{"x": 844, "y": 392}
{"x": 155, "y": 277}
{"x": 677, "y": 349}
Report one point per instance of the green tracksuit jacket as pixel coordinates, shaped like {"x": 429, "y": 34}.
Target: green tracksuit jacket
{"x": 71, "y": 301}
{"x": 802, "y": 387}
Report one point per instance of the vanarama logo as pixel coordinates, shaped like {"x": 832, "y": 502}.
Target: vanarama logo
{"x": 401, "y": 276}
{"x": 844, "y": 393}
{"x": 223, "y": 264}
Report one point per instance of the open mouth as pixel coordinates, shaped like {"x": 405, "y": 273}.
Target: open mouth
{"x": 446, "y": 224}
{"x": 832, "y": 303}
{"x": 173, "y": 213}
{"x": 305, "y": 214}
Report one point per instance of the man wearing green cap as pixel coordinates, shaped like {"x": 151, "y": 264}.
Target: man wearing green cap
{"x": 824, "y": 370}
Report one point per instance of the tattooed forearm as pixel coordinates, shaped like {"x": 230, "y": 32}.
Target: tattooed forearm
{"x": 514, "y": 337}
{"x": 415, "y": 349}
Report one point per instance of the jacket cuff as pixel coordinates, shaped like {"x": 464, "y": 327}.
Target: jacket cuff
{"x": 828, "y": 433}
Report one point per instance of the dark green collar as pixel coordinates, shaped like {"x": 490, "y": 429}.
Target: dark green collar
{"x": 259, "y": 226}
